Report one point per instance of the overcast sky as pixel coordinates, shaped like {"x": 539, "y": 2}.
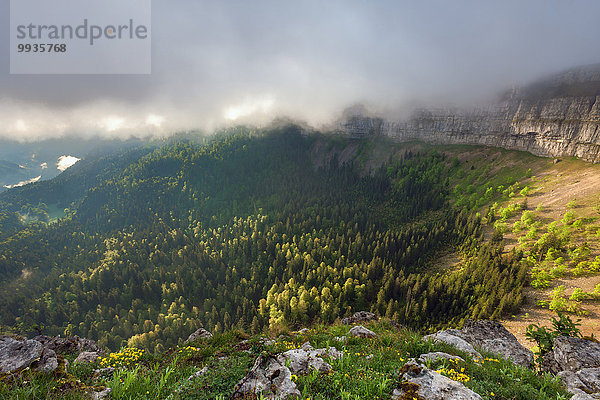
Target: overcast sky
{"x": 235, "y": 61}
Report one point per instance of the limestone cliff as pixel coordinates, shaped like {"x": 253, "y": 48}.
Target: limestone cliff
{"x": 555, "y": 117}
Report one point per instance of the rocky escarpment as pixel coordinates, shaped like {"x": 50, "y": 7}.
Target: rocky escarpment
{"x": 555, "y": 117}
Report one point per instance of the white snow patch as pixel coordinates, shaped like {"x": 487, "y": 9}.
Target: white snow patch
{"x": 44, "y": 165}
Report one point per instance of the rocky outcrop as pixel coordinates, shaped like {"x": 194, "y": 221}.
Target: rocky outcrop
{"x": 487, "y": 335}
{"x": 359, "y": 317}
{"x": 573, "y": 354}
{"x": 492, "y": 336}
{"x": 361, "y": 331}
{"x": 302, "y": 360}
{"x": 555, "y": 117}
{"x": 577, "y": 362}
{"x": 269, "y": 377}
{"x": 199, "y": 334}
{"x": 584, "y": 383}
{"x": 417, "y": 381}
{"x": 40, "y": 353}
{"x": 16, "y": 355}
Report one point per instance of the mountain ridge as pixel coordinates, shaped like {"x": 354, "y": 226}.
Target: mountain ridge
{"x": 558, "y": 116}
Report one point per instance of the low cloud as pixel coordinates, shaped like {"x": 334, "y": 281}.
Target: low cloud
{"x": 217, "y": 63}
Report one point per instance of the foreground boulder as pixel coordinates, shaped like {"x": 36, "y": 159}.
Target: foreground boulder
{"x": 361, "y": 331}
{"x": 16, "y": 355}
{"x": 199, "y": 334}
{"x": 301, "y": 361}
{"x": 421, "y": 382}
{"x": 270, "y": 377}
{"x": 490, "y": 336}
{"x": 360, "y": 316}
{"x": 574, "y": 354}
{"x": 582, "y": 383}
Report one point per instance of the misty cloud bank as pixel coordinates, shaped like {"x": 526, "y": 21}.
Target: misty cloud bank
{"x": 216, "y": 63}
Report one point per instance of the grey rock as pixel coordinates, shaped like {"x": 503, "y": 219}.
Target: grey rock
{"x": 431, "y": 385}
{"x": 451, "y": 337}
{"x": 590, "y": 377}
{"x": 361, "y": 331}
{"x": 437, "y": 356}
{"x": 571, "y": 382}
{"x": 492, "y": 336}
{"x": 303, "y": 331}
{"x": 340, "y": 339}
{"x": 307, "y": 346}
{"x": 360, "y": 316}
{"x": 67, "y": 345}
{"x": 270, "y": 377}
{"x": 201, "y": 333}
{"x": 583, "y": 396}
{"x": 301, "y": 362}
{"x": 198, "y": 373}
{"x": 306, "y": 358}
{"x": 47, "y": 362}
{"x": 266, "y": 341}
{"x": 87, "y": 357}
{"x": 101, "y": 395}
{"x": 18, "y": 354}
{"x": 549, "y": 364}
{"x": 330, "y": 352}
{"x": 573, "y": 354}
{"x": 585, "y": 382}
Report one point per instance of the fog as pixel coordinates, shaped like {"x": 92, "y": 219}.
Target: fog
{"x": 229, "y": 62}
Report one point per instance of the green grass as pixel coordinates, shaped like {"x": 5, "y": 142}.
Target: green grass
{"x": 369, "y": 369}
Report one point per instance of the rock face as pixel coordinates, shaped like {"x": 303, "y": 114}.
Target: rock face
{"x": 573, "y": 354}
{"x": 16, "y": 355}
{"x": 555, "y": 117}
{"x": 361, "y": 316}
{"x": 361, "y": 331}
{"x": 488, "y": 335}
{"x": 270, "y": 377}
{"x": 417, "y": 380}
{"x": 199, "y": 334}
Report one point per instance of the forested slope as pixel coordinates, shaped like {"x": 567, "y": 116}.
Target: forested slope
{"x": 245, "y": 232}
